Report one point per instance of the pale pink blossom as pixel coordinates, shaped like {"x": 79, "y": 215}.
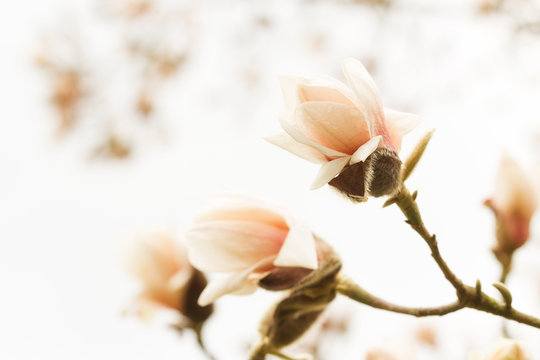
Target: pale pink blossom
{"x": 328, "y": 123}
{"x": 163, "y": 268}
{"x": 508, "y": 349}
{"x": 514, "y": 204}
{"x": 248, "y": 240}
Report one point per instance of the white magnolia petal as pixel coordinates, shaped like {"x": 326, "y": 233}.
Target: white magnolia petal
{"x": 232, "y": 245}
{"x": 230, "y": 206}
{"x": 367, "y": 94}
{"x": 328, "y": 171}
{"x": 236, "y": 283}
{"x": 288, "y": 124}
{"x": 289, "y": 88}
{"x": 365, "y": 150}
{"x": 155, "y": 258}
{"x": 399, "y": 124}
{"x": 367, "y": 99}
{"x": 286, "y": 142}
{"x": 514, "y": 193}
{"x": 336, "y": 126}
{"x": 299, "y": 248}
{"x": 324, "y": 88}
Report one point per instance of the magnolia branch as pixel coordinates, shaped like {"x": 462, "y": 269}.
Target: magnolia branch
{"x": 407, "y": 204}
{"x": 348, "y": 288}
{"x": 467, "y": 296}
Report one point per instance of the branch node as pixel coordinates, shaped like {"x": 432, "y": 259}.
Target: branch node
{"x": 505, "y": 293}
{"x": 414, "y": 195}
{"x": 389, "y": 202}
{"x": 478, "y": 289}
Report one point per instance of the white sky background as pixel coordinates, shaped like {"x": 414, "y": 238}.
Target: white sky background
{"x": 65, "y": 219}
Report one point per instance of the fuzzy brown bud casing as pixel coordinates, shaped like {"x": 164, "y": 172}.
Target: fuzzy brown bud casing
{"x": 300, "y": 308}
{"x": 379, "y": 175}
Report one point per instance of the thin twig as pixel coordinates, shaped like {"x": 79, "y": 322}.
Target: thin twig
{"x": 408, "y": 206}
{"x": 468, "y": 296}
{"x": 348, "y": 288}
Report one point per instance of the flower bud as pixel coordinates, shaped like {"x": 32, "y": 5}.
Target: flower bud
{"x": 379, "y": 175}
{"x": 513, "y": 205}
{"x": 169, "y": 281}
{"x": 288, "y": 320}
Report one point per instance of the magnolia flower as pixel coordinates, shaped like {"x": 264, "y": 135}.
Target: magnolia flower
{"x": 508, "y": 350}
{"x": 169, "y": 280}
{"x": 347, "y": 130}
{"x": 255, "y": 244}
{"x": 513, "y": 204}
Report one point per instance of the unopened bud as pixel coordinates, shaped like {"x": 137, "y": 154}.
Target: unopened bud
{"x": 295, "y": 314}
{"x": 513, "y": 205}
{"x": 379, "y": 175}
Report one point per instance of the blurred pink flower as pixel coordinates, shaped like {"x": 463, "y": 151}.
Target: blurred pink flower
{"x": 514, "y": 204}
{"x": 169, "y": 281}
{"x": 328, "y": 123}
{"x": 508, "y": 349}
{"x": 250, "y": 240}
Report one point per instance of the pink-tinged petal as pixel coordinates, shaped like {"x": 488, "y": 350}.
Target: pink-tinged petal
{"x": 324, "y": 88}
{"x": 317, "y": 88}
{"x": 244, "y": 209}
{"x": 514, "y": 194}
{"x": 328, "y": 171}
{"x": 236, "y": 283}
{"x": 508, "y": 349}
{"x": 365, "y": 150}
{"x": 284, "y": 141}
{"x": 399, "y": 124}
{"x": 289, "y": 88}
{"x": 367, "y": 98}
{"x": 299, "y": 248}
{"x": 155, "y": 259}
{"x": 289, "y": 124}
{"x": 232, "y": 245}
{"x": 335, "y": 126}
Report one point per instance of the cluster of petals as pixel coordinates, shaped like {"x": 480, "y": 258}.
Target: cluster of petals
{"x": 246, "y": 239}
{"x": 328, "y": 123}
{"x": 163, "y": 268}
{"x": 514, "y": 201}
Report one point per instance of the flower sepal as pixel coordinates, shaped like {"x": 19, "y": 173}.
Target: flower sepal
{"x": 289, "y": 319}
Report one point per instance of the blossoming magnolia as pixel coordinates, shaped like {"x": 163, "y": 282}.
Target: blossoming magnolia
{"x": 169, "y": 280}
{"x": 346, "y": 130}
{"x": 255, "y": 244}
{"x": 513, "y": 204}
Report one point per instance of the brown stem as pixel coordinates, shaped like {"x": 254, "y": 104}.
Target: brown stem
{"x": 408, "y": 206}
{"x": 506, "y": 267}
{"x": 471, "y": 297}
{"x": 348, "y": 288}
{"x": 505, "y": 270}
